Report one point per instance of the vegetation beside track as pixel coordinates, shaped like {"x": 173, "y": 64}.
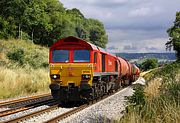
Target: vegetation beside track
{"x": 23, "y": 68}
{"x": 159, "y": 100}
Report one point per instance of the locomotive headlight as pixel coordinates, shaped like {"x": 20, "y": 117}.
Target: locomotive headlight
{"x": 55, "y": 76}
{"x": 86, "y": 76}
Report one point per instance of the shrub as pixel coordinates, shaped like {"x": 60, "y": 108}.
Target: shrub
{"x": 16, "y": 55}
{"x": 137, "y": 100}
{"x": 149, "y": 64}
{"x": 138, "y": 96}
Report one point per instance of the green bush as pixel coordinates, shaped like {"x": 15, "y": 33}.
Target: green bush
{"x": 149, "y": 64}
{"x": 137, "y": 100}
{"x": 16, "y": 55}
{"x": 138, "y": 96}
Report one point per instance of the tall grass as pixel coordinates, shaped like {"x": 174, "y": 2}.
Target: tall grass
{"x": 161, "y": 96}
{"x": 20, "y": 81}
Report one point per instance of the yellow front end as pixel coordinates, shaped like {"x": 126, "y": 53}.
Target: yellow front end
{"x": 65, "y": 74}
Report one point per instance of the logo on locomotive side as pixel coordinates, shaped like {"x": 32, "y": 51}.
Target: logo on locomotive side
{"x": 109, "y": 62}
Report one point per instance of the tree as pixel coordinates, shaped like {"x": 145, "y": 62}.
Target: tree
{"x": 46, "y": 21}
{"x": 36, "y": 21}
{"x": 174, "y": 34}
{"x": 75, "y": 12}
{"x": 149, "y": 64}
{"x": 97, "y": 34}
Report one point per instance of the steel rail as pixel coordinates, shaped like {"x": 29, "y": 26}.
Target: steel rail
{"x": 16, "y": 110}
{"x": 6, "y": 103}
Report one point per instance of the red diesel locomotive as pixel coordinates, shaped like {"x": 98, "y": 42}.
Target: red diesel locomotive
{"x": 80, "y": 70}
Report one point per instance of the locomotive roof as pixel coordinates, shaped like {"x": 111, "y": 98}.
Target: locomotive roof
{"x": 74, "y": 40}
{"x": 79, "y": 41}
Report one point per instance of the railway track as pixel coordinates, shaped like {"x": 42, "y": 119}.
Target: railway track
{"x": 26, "y": 100}
{"x": 54, "y": 107}
{"x": 20, "y": 109}
{"x": 19, "y": 105}
{"x": 24, "y": 117}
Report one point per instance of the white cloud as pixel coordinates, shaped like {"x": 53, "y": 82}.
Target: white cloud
{"x": 144, "y": 11}
{"x": 140, "y": 12}
{"x": 143, "y": 46}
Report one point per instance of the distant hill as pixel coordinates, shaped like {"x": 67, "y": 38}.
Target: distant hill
{"x": 130, "y": 56}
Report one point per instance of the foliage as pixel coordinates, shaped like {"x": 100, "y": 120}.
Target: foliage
{"x": 17, "y": 55}
{"x": 149, "y": 64}
{"x": 6, "y": 28}
{"x": 174, "y": 34}
{"x": 138, "y": 96}
{"x": 137, "y": 99}
{"x": 45, "y": 21}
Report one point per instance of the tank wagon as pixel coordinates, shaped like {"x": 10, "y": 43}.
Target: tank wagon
{"x": 80, "y": 70}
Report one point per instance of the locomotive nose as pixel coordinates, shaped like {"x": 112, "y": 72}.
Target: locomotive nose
{"x": 72, "y": 74}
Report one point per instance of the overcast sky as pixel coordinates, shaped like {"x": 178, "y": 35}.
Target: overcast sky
{"x": 131, "y": 25}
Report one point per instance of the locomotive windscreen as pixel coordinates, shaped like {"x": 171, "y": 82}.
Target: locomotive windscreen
{"x": 60, "y": 56}
{"x": 81, "y": 56}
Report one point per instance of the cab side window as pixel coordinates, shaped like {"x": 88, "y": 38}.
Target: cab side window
{"x": 116, "y": 66}
{"x": 95, "y": 57}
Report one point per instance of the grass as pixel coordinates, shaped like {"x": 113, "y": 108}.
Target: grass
{"x": 153, "y": 89}
{"x": 19, "y": 82}
{"x": 159, "y": 100}
{"x": 23, "y": 73}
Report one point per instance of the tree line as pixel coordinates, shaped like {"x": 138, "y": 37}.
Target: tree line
{"x": 174, "y": 34}
{"x": 45, "y": 21}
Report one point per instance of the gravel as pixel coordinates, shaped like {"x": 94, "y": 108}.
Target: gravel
{"x": 47, "y": 116}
